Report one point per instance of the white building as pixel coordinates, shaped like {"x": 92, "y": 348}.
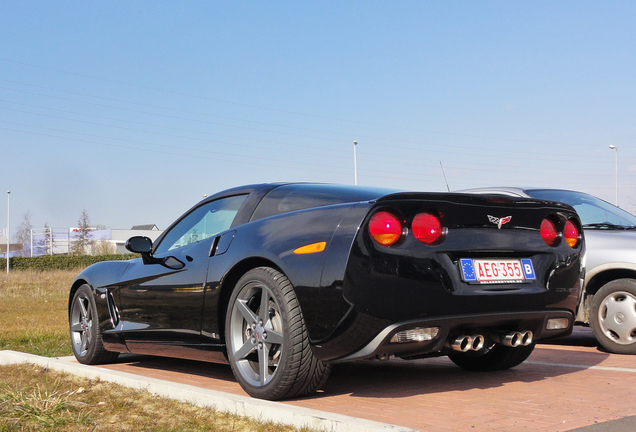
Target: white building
{"x": 119, "y": 237}
{"x": 54, "y": 241}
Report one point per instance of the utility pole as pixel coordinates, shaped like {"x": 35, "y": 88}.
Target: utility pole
{"x": 8, "y": 227}
{"x": 355, "y": 163}
{"x": 613, "y": 147}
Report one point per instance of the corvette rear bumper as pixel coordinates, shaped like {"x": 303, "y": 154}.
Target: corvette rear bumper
{"x": 490, "y": 326}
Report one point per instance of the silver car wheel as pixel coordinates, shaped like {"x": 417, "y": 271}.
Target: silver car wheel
{"x": 617, "y": 317}
{"x": 266, "y": 339}
{"x": 256, "y": 334}
{"x": 81, "y": 324}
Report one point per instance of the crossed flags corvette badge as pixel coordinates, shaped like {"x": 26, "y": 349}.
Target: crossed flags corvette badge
{"x": 499, "y": 221}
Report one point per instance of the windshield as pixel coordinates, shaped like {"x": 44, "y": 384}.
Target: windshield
{"x": 594, "y": 212}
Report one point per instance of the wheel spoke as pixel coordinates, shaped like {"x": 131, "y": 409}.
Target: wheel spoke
{"x": 263, "y": 312}
{"x": 246, "y": 349}
{"x": 84, "y": 343}
{"x": 83, "y": 311}
{"x": 248, "y": 315}
{"x": 89, "y": 332}
{"x": 77, "y": 327}
{"x": 263, "y": 363}
{"x": 274, "y": 337}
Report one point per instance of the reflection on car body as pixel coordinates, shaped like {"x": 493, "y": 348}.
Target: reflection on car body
{"x": 283, "y": 280}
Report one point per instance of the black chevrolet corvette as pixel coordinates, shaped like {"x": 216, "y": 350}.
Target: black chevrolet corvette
{"x": 284, "y": 280}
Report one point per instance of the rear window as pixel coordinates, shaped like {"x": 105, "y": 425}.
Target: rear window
{"x": 294, "y": 197}
{"x": 591, "y": 210}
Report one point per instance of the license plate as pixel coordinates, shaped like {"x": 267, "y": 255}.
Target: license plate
{"x": 497, "y": 270}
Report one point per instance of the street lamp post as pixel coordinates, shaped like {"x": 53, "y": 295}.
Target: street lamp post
{"x": 8, "y": 227}
{"x": 355, "y": 163}
{"x": 613, "y": 147}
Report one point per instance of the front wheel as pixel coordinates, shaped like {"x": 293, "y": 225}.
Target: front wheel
{"x": 267, "y": 342}
{"x": 498, "y": 357}
{"x": 86, "y": 337}
{"x": 613, "y": 317}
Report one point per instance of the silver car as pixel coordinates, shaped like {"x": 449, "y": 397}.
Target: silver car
{"x": 608, "y": 301}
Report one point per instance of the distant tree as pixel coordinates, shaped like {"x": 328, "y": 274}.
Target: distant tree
{"x": 49, "y": 243}
{"x": 104, "y": 247}
{"x": 23, "y": 233}
{"x": 42, "y": 241}
{"x": 83, "y": 240}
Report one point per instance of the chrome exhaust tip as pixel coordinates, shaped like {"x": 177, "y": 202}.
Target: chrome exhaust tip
{"x": 512, "y": 339}
{"x": 462, "y": 343}
{"x": 478, "y": 342}
{"x": 465, "y": 343}
{"x": 526, "y": 338}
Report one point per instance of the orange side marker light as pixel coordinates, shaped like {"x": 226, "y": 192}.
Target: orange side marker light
{"x": 311, "y": 248}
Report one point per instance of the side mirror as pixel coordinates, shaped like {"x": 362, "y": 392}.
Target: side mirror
{"x": 143, "y": 245}
{"x": 139, "y": 244}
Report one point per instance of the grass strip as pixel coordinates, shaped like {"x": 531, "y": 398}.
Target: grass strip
{"x": 36, "y": 399}
{"x": 33, "y": 312}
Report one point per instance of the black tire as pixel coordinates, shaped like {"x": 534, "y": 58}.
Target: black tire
{"x": 269, "y": 350}
{"x": 86, "y": 336}
{"x": 498, "y": 357}
{"x": 613, "y": 316}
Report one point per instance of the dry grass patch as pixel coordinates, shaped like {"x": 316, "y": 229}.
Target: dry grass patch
{"x": 33, "y": 311}
{"x": 33, "y": 319}
{"x": 36, "y": 399}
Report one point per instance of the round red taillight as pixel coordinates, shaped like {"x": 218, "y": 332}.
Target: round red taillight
{"x": 427, "y": 228}
{"x": 571, "y": 234}
{"x": 549, "y": 233}
{"x": 385, "y": 228}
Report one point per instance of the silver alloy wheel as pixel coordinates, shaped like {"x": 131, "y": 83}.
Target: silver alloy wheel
{"x": 256, "y": 334}
{"x": 617, "y": 317}
{"x": 81, "y": 324}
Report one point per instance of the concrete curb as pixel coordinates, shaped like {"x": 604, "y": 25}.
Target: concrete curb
{"x": 255, "y": 409}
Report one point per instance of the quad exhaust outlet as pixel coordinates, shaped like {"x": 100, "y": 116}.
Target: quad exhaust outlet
{"x": 514, "y": 339}
{"x": 464, "y": 343}
{"x": 467, "y": 343}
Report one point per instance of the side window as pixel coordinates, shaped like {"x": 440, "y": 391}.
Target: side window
{"x": 203, "y": 222}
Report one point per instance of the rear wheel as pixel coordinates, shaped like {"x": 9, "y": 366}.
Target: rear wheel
{"x": 86, "y": 336}
{"x": 497, "y": 357}
{"x": 267, "y": 342}
{"x": 613, "y": 316}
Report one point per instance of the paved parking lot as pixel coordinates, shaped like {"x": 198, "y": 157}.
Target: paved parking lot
{"x": 563, "y": 386}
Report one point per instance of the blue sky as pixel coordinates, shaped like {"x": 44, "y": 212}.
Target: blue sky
{"x": 134, "y": 110}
